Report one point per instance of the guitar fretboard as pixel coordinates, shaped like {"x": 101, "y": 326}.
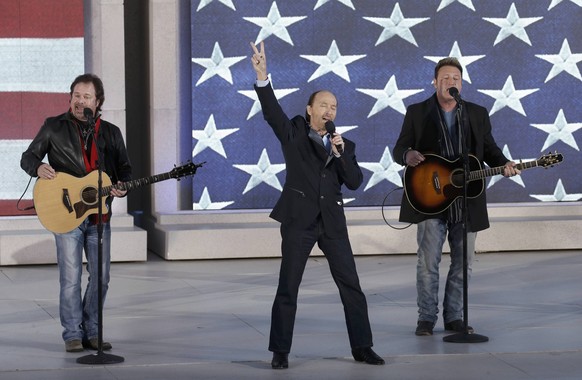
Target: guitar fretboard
{"x": 488, "y": 172}
{"x": 134, "y": 184}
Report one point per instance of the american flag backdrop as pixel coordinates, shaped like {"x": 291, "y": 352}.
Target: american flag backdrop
{"x": 41, "y": 52}
{"x": 521, "y": 61}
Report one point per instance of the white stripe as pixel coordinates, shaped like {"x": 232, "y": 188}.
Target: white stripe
{"x": 40, "y": 64}
{"x": 13, "y": 179}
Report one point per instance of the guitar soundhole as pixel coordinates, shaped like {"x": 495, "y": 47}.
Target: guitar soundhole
{"x": 89, "y": 195}
{"x": 457, "y": 178}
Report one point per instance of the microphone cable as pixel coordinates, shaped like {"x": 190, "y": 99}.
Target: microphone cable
{"x": 384, "y": 216}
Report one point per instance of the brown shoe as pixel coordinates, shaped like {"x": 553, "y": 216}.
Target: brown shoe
{"x": 93, "y": 344}
{"x": 74, "y": 345}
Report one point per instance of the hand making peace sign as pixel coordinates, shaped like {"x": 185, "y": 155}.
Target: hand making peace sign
{"x": 259, "y": 60}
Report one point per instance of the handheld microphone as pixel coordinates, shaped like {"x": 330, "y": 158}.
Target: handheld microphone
{"x": 330, "y": 128}
{"x": 454, "y": 92}
{"x": 88, "y": 113}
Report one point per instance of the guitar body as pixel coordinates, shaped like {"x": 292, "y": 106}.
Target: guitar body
{"x": 433, "y": 186}
{"x": 64, "y": 202}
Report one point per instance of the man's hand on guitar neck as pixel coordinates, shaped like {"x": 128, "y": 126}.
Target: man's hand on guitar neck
{"x": 510, "y": 169}
{"x": 413, "y": 157}
{"x": 45, "y": 171}
{"x": 115, "y": 192}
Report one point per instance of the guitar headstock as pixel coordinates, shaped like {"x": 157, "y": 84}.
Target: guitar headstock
{"x": 185, "y": 170}
{"x": 550, "y": 159}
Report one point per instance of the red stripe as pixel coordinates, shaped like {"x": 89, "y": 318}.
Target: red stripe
{"x": 41, "y": 18}
{"x": 24, "y": 112}
{"x": 8, "y": 207}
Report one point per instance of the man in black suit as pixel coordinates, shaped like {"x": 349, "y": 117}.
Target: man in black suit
{"x": 310, "y": 210}
{"x": 432, "y": 126}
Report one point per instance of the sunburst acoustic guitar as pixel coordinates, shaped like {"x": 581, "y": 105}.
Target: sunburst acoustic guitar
{"x": 433, "y": 186}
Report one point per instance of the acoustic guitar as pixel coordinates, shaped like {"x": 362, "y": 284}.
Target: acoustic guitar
{"x": 433, "y": 185}
{"x": 64, "y": 202}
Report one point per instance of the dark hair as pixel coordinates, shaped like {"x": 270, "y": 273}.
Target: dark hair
{"x": 310, "y": 102}
{"x": 97, "y": 83}
{"x": 449, "y": 61}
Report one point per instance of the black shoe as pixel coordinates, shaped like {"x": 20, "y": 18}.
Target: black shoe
{"x": 280, "y": 360}
{"x": 458, "y": 325}
{"x": 93, "y": 344}
{"x": 367, "y": 355}
{"x": 424, "y": 328}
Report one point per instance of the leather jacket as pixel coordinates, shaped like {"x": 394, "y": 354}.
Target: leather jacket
{"x": 59, "y": 140}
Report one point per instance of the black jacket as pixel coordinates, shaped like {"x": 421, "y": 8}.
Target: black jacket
{"x": 58, "y": 140}
{"x": 313, "y": 179}
{"x": 421, "y": 132}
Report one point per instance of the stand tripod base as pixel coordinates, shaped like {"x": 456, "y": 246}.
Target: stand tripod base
{"x": 100, "y": 358}
{"x": 465, "y": 337}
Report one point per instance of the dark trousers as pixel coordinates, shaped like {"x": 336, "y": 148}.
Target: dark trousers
{"x": 296, "y": 246}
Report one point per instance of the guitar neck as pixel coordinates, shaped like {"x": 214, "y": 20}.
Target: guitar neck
{"x": 134, "y": 184}
{"x": 489, "y": 172}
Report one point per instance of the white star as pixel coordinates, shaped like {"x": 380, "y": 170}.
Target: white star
{"x": 560, "y": 130}
{"x": 396, "y": 25}
{"x": 256, "y": 107}
{"x": 207, "y": 204}
{"x": 512, "y": 25}
{"x": 274, "y": 24}
{"x": 556, "y": 2}
{"x": 467, "y": 3}
{"x": 516, "y": 178}
{"x": 217, "y": 64}
{"x": 559, "y": 195}
{"x": 343, "y": 130}
{"x": 386, "y": 169}
{"x": 508, "y": 96}
{"x": 347, "y": 3}
{"x": 563, "y": 61}
{"x": 334, "y": 62}
{"x": 390, "y": 96}
{"x": 211, "y": 138}
{"x": 463, "y": 60}
{"x": 204, "y": 3}
{"x": 263, "y": 171}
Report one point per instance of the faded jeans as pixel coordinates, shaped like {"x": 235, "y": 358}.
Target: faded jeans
{"x": 79, "y": 317}
{"x": 431, "y": 235}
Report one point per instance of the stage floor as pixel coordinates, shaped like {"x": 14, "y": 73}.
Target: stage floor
{"x": 210, "y": 320}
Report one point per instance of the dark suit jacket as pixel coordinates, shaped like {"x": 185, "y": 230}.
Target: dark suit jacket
{"x": 421, "y": 131}
{"x": 313, "y": 180}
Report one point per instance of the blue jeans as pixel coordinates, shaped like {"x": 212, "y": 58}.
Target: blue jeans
{"x": 430, "y": 236}
{"x": 79, "y": 317}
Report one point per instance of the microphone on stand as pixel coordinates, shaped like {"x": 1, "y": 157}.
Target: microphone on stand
{"x": 454, "y": 92}
{"x": 330, "y": 128}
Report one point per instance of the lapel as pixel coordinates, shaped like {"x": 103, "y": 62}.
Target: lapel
{"x": 318, "y": 146}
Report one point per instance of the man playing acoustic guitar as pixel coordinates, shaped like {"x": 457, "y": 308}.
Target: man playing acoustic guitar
{"x": 72, "y": 142}
{"x": 433, "y": 126}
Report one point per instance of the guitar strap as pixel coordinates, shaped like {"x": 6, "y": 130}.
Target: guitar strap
{"x": 448, "y": 150}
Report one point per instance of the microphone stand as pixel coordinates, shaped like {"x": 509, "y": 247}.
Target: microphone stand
{"x": 464, "y": 336}
{"x": 100, "y": 357}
